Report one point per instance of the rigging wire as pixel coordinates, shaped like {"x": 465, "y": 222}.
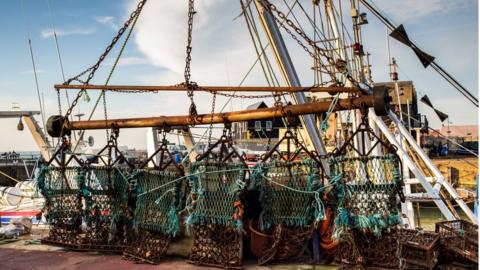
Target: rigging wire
{"x": 321, "y": 65}
{"x": 30, "y": 46}
{"x": 60, "y": 62}
{"x": 449, "y": 78}
{"x": 57, "y": 46}
{"x": 110, "y": 74}
{"x": 263, "y": 52}
{"x": 272, "y": 74}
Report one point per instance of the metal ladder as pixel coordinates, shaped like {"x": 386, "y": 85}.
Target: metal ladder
{"x": 432, "y": 185}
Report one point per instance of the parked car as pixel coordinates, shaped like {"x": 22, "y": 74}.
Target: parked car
{"x": 178, "y": 149}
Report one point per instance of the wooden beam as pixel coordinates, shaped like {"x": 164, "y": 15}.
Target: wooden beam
{"x": 237, "y": 116}
{"x": 149, "y": 88}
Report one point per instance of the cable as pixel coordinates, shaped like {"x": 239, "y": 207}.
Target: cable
{"x": 450, "y": 79}
{"x": 42, "y": 110}
{"x": 102, "y": 94}
{"x": 60, "y": 62}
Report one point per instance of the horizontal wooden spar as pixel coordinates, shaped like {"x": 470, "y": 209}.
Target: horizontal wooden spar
{"x": 152, "y": 88}
{"x": 55, "y": 122}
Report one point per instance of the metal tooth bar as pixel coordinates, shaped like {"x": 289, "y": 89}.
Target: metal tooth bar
{"x": 147, "y": 247}
{"x": 217, "y": 245}
{"x": 149, "y": 88}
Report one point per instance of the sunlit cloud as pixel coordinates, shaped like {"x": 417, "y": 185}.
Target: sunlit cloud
{"x": 47, "y": 33}
{"x": 108, "y": 21}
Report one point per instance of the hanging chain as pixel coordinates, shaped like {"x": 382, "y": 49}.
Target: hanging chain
{"x": 230, "y": 134}
{"x": 276, "y": 95}
{"x": 102, "y": 57}
{"x": 282, "y": 17}
{"x": 211, "y": 120}
{"x": 59, "y": 100}
{"x": 269, "y": 142}
{"x": 278, "y": 100}
{"x": 104, "y": 99}
{"x": 188, "y": 59}
{"x": 164, "y": 137}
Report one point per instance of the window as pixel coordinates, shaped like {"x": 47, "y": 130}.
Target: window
{"x": 268, "y": 125}
{"x": 258, "y": 125}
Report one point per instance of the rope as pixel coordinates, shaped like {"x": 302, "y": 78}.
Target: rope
{"x": 102, "y": 94}
{"x": 333, "y": 104}
{"x": 321, "y": 215}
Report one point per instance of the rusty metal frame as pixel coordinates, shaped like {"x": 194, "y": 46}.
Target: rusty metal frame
{"x": 163, "y": 152}
{"x": 227, "y": 151}
{"x": 181, "y": 87}
{"x": 218, "y": 118}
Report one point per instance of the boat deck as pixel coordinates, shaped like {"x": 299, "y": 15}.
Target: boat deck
{"x": 18, "y": 255}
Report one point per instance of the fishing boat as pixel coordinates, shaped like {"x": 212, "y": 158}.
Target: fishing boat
{"x": 333, "y": 174}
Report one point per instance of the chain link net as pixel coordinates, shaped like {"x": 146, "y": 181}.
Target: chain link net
{"x": 216, "y": 212}
{"x": 156, "y": 218}
{"x": 215, "y": 189}
{"x": 85, "y": 206}
{"x": 217, "y": 245}
{"x": 367, "y": 193}
{"x": 63, "y": 206}
{"x": 288, "y": 193}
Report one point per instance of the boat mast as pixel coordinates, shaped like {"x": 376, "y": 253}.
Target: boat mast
{"x": 289, "y": 74}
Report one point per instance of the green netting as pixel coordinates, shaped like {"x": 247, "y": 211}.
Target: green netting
{"x": 104, "y": 190}
{"x": 63, "y": 207}
{"x": 157, "y": 201}
{"x": 215, "y": 189}
{"x": 289, "y": 193}
{"x": 367, "y": 193}
{"x": 93, "y": 196}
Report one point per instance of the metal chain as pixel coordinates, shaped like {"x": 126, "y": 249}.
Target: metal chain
{"x": 104, "y": 99}
{"x": 95, "y": 67}
{"x": 276, "y": 95}
{"x": 188, "y": 59}
{"x": 59, "y": 100}
{"x": 278, "y": 99}
{"x": 282, "y": 17}
{"x": 211, "y": 120}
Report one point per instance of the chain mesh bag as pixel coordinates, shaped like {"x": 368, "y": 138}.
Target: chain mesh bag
{"x": 104, "y": 190}
{"x": 158, "y": 199}
{"x": 59, "y": 183}
{"x": 289, "y": 188}
{"x": 216, "y": 181}
{"x": 63, "y": 207}
{"x": 368, "y": 190}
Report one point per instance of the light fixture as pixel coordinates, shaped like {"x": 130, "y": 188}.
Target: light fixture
{"x": 20, "y": 125}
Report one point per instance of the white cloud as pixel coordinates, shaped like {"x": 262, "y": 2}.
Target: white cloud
{"x": 223, "y": 51}
{"x": 47, "y": 33}
{"x": 133, "y": 60}
{"x": 108, "y": 21}
{"x": 217, "y": 39}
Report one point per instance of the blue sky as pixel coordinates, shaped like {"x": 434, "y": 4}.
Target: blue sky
{"x": 222, "y": 54}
